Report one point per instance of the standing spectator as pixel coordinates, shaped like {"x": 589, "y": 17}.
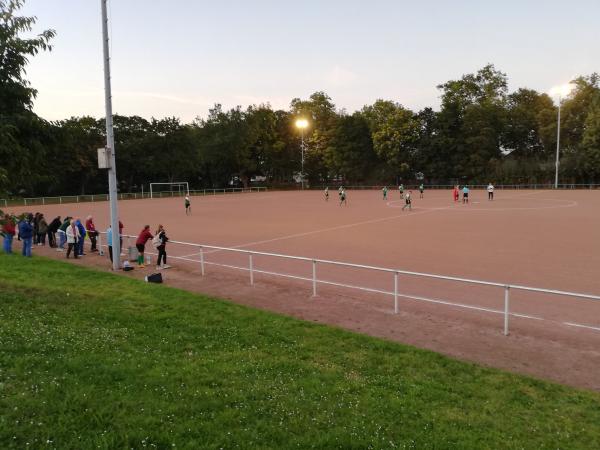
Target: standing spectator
{"x": 109, "y": 242}
{"x": 8, "y": 230}
{"x": 81, "y": 240}
{"x": 42, "y": 230}
{"x": 73, "y": 238}
{"x": 160, "y": 240}
{"x": 26, "y": 233}
{"x": 140, "y": 244}
{"x": 35, "y": 227}
{"x": 62, "y": 234}
{"x": 121, "y": 237}
{"x": 92, "y": 233}
{"x": 52, "y": 230}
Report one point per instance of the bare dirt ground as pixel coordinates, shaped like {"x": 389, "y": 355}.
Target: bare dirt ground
{"x": 545, "y": 239}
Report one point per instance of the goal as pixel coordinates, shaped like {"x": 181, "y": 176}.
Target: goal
{"x": 172, "y": 189}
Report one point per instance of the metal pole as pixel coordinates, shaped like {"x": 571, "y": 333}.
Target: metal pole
{"x": 110, "y": 142}
{"x": 251, "y": 271}
{"x": 314, "y": 280}
{"x": 202, "y": 260}
{"x": 557, "y": 145}
{"x": 395, "y": 292}
{"x": 302, "y": 152}
{"x": 506, "y": 305}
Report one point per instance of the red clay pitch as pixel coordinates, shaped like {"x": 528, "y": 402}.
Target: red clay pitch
{"x": 545, "y": 239}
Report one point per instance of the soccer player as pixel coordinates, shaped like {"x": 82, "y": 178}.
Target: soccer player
{"x": 384, "y": 190}
{"x": 401, "y": 189}
{"x": 407, "y": 201}
{"x": 455, "y": 193}
{"x": 343, "y": 197}
{"x": 327, "y": 194}
{"x": 421, "y": 190}
{"x": 490, "y": 190}
{"x": 188, "y": 205}
{"x": 465, "y": 194}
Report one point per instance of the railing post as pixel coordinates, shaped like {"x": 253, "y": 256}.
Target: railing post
{"x": 506, "y": 308}
{"x": 100, "y": 251}
{"x": 43, "y": 200}
{"x": 395, "y": 292}
{"x": 314, "y": 277}
{"x": 251, "y": 271}
{"x": 78, "y": 199}
{"x": 202, "y": 260}
{"x": 60, "y": 200}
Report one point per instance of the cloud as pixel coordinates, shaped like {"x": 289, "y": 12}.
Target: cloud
{"x": 340, "y": 77}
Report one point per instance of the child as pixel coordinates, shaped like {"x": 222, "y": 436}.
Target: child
{"x": 140, "y": 244}
{"x": 401, "y": 189}
{"x": 384, "y": 190}
{"x": 465, "y": 194}
{"x": 455, "y": 193}
{"x": 327, "y": 194}
{"x": 343, "y": 197}
{"x": 407, "y": 201}
{"x": 421, "y": 190}
{"x": 161, "y": 237}
{"x": 188, "y": 205}
{"x": 490, "y": 190}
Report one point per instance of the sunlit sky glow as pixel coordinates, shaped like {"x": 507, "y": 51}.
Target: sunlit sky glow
{"x": 179, "y": 57}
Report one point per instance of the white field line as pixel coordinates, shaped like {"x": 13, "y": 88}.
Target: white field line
{"x": 582, "y": 326}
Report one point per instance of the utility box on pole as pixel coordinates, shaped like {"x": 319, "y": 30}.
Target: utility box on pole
{"x": 104, "y": 158}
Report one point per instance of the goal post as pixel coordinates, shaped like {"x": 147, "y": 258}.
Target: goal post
{"x": 183, "y": 187}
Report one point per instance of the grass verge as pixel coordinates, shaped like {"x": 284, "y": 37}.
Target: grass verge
{"x": 89, "y": 359}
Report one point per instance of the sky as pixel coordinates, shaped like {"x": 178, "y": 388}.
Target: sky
{"x": 180, "y": 57}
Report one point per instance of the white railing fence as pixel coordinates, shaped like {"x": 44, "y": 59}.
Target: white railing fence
{"x": 246, "y": 260}
{"x": 533, "y": 186}
{"x": 34, "y": 201}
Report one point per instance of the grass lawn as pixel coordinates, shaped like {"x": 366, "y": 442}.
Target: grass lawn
{"x": 94, "y": 360}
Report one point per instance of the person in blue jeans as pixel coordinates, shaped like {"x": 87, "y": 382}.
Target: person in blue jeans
{"x": 26, "y": 233}
{"x": 8, "y": 229}
{"x": 82, "y": 233}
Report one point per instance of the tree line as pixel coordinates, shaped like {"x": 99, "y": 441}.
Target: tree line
{"x": 481, "y": 132}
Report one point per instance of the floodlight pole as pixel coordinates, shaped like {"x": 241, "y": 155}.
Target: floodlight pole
{"x": 557, "y": 145}
{"x": 302, "y": 150}
{"x": 110, "y": 144}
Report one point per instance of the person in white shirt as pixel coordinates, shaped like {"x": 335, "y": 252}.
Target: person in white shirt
{"x": 490, "y": 190}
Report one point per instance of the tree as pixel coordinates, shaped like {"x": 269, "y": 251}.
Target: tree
{"x": 591, "y": 142}
{"x": 16, "y": 94}
{"x": 395, "y": 134}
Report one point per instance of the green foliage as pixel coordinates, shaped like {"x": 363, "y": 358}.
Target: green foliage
{"x": 93, "y": 360}
{"x": 482, "y": 132}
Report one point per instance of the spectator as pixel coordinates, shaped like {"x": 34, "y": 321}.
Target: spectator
{"x": 81, "y": 239}
{"x": 52, "y": 230}
{"x": 62, "y": 234}
{"x": 8, "y": 230}
{"x": 42, "y": 230}
{"x": 109, "y": 242}
{"x": 26, "y": 234}
{"x": 35, "y": 227}
{"x": 121, "y": 237}
{"x": 140, "y": 244}
{"x": 73, "y": 238}
{"x": 92, "y": 233}
{"x": 160, "y": 240}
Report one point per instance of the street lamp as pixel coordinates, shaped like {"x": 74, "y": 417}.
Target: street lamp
{"x": 302, "y": 124}
{"x": 559, "y": 92}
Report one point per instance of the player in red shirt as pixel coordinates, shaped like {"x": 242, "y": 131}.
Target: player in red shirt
{"x": 140, "y": 244}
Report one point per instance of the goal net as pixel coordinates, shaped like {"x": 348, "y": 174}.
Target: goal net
{"x": 158, "y": 190}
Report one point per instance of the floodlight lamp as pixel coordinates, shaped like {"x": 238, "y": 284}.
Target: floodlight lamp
{"x": 562, "y": 90}
{"x": 301, "y": 123}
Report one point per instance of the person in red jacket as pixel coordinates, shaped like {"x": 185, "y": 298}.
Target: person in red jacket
{"x": 140, "y": 244}
{"x": 8, "y": 230}
{"x": 91, "y": 232}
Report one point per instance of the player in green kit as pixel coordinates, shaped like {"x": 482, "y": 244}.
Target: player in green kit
{"x": 421, "y": 190}
{"x": 401, "y": 189}
{"x": 384, "y": 190}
